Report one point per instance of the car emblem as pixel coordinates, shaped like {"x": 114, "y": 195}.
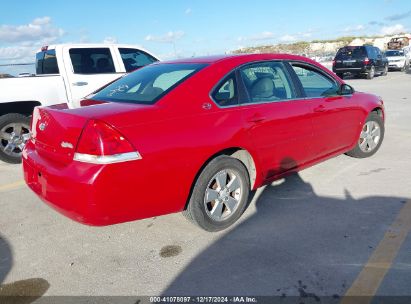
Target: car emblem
{"x": 42, "y": 126}
{"x": 65, "y": 144}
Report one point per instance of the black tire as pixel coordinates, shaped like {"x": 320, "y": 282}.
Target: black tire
{"x": 404, "y": 67}
{"x": 13, "y": 157}
{"x": 198, "y": 210}
{"x": 385, "y": 71}
{"x": 358, "y": 152}
{"x": 371, "y": 73}
{"x": 341, "y": 75}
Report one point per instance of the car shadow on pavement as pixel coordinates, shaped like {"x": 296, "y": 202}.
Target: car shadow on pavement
{"x": 19, "y": 292}
{"x": 297, "y": 243}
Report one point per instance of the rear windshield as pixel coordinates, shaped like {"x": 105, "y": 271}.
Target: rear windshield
{"x": 148, "y": 84}
{"x": 394, "y": 53}
{"x": 355, "y": 52}
{"x": 46, "y": 63}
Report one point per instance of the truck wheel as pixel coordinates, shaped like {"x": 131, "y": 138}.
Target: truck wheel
{"x": 14, "y": 133}
{"x": 220, "y": 194}
{"x": 371, "y": 73}
{"x": 371, "y": 137}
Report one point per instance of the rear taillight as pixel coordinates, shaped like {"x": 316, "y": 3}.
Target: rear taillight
{"x": 366, "y": 61}
{"x": 100, "y": 143}
{"x": 333, "y": 62}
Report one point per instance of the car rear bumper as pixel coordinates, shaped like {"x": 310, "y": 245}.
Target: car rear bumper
{"x": 96, "y": 195}
{"x": 352, "y": 70}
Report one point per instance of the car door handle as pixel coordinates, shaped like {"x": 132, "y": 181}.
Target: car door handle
{"x": 256, "y": 118}
{"x": 80, "y": 83}
{"x": 320, "y": 108}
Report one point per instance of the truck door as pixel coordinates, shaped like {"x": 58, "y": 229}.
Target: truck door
{"x": 88, "y": 68}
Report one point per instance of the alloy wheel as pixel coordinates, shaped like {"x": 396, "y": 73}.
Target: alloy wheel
{"x": 370, "y": 136}
{"x": 223, "y": 195}
{"x": 13, "y": 137}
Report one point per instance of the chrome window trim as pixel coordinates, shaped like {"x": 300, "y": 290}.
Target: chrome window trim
{"x": 290, "y": 62}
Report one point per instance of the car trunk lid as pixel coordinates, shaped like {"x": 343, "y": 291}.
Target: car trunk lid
{"x": 56, "y": 130}
{"x": 55, "y": 133}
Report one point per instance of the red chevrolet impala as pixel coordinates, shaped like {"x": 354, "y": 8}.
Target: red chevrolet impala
{"x": 195, "y": 135}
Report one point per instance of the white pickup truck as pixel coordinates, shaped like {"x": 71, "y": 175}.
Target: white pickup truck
{"x": 64, "y": 74}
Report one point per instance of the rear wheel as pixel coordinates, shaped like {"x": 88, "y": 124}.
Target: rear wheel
{"x": 371, "y": 137}
{"x": 14, "y": 133}
{"x": 371, "y": 73}
{"x": 385, "y": 71}
{"x": 219, "y": 195}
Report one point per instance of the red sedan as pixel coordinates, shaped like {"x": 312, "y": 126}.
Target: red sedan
{"x": 195, "y": 135}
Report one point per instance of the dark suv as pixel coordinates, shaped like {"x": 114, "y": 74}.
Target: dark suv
{"x": 360, "y": 60}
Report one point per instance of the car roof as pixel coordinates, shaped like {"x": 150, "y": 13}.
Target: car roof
{"x": 239, "y": 57}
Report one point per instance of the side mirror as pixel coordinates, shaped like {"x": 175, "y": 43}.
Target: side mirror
{"x": 346, "y": 89}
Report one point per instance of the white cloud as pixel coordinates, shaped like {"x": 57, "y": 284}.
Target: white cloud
{"x": 392, "y": 30}
{"x": 261, "y": 36}
{"x": 169, "y": 37}
{"x": 110, "y": 40}
{"x": 188, "y": 11}
{"x": 15, "y": 53}
{"x": 359, "y": 27}
{"x": 42, "y": 20}
{"x": 288, "y": 38}
{"x": 40, "y": 29}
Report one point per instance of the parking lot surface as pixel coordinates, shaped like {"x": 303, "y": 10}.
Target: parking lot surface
{"x": 341, "y": 227}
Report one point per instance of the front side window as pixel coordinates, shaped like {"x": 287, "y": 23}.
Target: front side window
{"x": 267, "y": 81}
{"x": 134, "y": 59}
{"x": 46, "y": 62}
{"x": 148, "y": 84}
{"x": 226, "y": 93}
{"x": 314, "y": 83}
{"x": 92, "y": 61}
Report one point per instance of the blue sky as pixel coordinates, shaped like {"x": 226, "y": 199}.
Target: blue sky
{"x": 180, "y": 28}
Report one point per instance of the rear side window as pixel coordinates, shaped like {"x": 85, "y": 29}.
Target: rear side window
{"x": 46, "y": 63}
{"x": 372, "y": 52}
{"x": 351, "y": 52}
{"x": 226, "y": 93}
{"x": 92, "y": 61}
{"x": 314, "y": 83}
{"x": 267, "y": 81}
{"x": 134, "y": 59}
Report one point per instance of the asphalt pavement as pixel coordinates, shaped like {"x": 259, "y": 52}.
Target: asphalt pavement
{"x": 338, "y": 228}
